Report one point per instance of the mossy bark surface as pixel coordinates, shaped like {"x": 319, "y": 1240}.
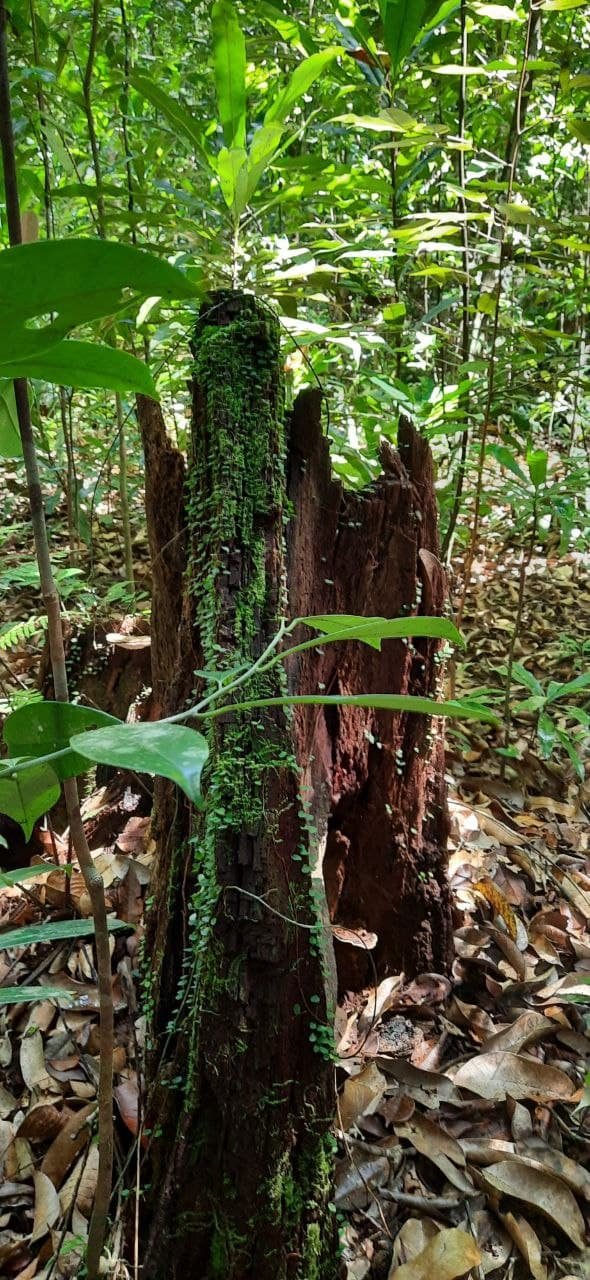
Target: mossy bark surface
{"x": 240, "y": 1100}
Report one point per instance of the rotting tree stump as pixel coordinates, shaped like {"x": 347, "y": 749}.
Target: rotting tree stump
{"x": 240, "y": 1102}
{"x": 243, "y": 1100}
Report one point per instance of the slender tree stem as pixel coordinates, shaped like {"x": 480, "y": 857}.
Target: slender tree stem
{"x": 465, "y": 288}
{"x": 513, "y": 148}
{"x": 93, "y": 879}
{"x": 101, "y": 222}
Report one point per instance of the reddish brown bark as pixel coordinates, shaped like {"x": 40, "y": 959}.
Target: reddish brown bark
{"x": 377, "y": 780}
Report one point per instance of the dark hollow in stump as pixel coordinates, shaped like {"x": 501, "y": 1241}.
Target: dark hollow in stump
{"x": 240, "y": 1086}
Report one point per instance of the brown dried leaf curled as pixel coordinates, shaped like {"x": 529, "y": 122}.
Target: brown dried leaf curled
{"x": 543, "y": 1192}
{"x": 500, "y": 1075}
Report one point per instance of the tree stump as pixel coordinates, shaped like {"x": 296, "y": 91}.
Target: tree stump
{"x": 240, "y": 1082}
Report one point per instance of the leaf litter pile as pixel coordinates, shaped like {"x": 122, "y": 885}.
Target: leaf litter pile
{"x": 463, "y": 1118}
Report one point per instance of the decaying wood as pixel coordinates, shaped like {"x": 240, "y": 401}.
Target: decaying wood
{"x": 377, "y": 779}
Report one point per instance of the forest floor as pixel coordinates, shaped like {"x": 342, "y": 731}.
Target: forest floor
{"x": 463, "y": 1117}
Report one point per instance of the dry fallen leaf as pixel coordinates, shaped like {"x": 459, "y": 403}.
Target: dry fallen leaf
{"x": 452, "y": 1253}
{"x": 47, "y": 1207}
{"x": 67, "y": 1145}
{"x": 356, "y": 1177}
{"x": 542, "y": 1191}
{"x": 362, "y": 1093}
{"x": 412, "y": 1238}
{"x": 527, "y": 1029}
{"x": 527, "y": 1243}
{"x": 500, "y": 1075}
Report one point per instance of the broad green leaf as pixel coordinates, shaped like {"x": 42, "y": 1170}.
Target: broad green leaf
{"x": 373, "y": 630}
{"x": 288, "y": 28}
{"x": 456, "y": 708}
{"x": 506, "y": 459}
{"x": 10, "y": 441}
{"x": 487, "y": 304}
{"x": 301, "y": 81}
{"x": 27, "y": 796}
{"x": 571, "y": 686}
{"x": 25, "y": 995}
{"x": 169, "y": 750}
{"x": 262, "y": 149}
{"x": 558, "y": 5}
{"x": 402, "y": 21}
{"x": 229, "y": 64}
{"x": 394, "y": 312}
{"x": 537, "y": 465}
{"x": 571, "y": 750}
{"x": 580, "y": 129}
{"x": 232, "y": 171}
{"x": 53, "y": 931}
{"x": 391, "y": 120}
{"x": 526, "y": 678}
{"x": 534, "y": 703}
{"x": 499, "y": 12}
{"x": 9, "y": 878}
{"x": 43, "y": 727}
{"x": 68, "y": 282}
{"x": 173, "y": 110}
{"x": 84, "y": 364}
{"x": 546, "y": 732}
{"x": 580, "y": 716}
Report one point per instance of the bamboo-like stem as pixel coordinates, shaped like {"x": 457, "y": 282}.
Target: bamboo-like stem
{"x": 513, "y": 148}
{"x": 465, "y": 288}
{"x": 101, "y": 223}
{"x": 92, "y": 878}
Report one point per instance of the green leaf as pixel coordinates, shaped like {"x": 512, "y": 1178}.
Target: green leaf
{"x": 301, "y": 81}
{"x": 571, "y": 750}
{"x": 229, "y": 64}
{"x": 25, "y": 995}
{"x": 571, "y": 686}
{"x": 526, "y": 678}
{"x": 68, "y": 282}
{"x": 487, "y": 304}
{"x": 8, "y": 880}
{"x": 232, "y": 171}
{"x": 457, "y": 708}
{"x": 546, "y": 732}
{"x": 537, "y": 465}
{"x": 534, "y": 703}
{"x": 343, "y": 626}
{"x": 43, "y": 727}
{"x": 558, "y": 5}
{"x": 262, "y": 149}
{"x": 499, "y": 12}
{"x": 27, "y": 796}
{"x": 10, "y": 441}
{"x": 402, "y": 21}
{"x": 173, "y": 111}
{"x": 169, "y": 750}
{"x": 85, "y": 364}
{"x": 506, "y": 459}
{"x": 580, "y": 129}
{"x": 394, "y": 312}
{"x": 53, "y": 931}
